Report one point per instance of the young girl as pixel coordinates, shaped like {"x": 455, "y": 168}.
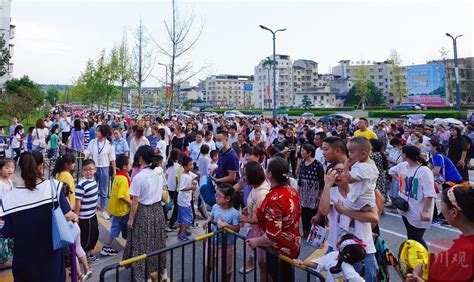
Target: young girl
{"x": 226, "y": 216}
{"x": 7, "y": 168}
{"x": 17, "y": 141}
{"x": 172, "y": 168}
{"x": 62, "y": 170}
{"x": 340, "y": 264}
{"x": 54, "y": 142}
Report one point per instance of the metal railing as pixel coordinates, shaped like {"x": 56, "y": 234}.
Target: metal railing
{"x": 212, "y": 265}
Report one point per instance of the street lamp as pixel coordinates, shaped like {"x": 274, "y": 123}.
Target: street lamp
{"x": 456, "y": 71}
{"x": 274, "y": 67}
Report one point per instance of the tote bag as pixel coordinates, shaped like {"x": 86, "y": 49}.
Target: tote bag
{"x": 61, "y": 230}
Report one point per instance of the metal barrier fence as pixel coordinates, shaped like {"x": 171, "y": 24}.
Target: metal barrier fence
{"x": 206, "y": 267}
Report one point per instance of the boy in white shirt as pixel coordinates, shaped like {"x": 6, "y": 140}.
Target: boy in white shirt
{"x": 362, "y": 174}
{"x": 187, "y": 185}
{"x": 213, "y": 165}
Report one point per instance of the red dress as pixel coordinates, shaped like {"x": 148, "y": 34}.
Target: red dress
{"x": 279, "y": 218}
{"x": 454, "y": 264}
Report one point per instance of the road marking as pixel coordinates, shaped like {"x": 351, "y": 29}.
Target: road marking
{"x": 432, "y": 225}
{"x": 405, "y": 237}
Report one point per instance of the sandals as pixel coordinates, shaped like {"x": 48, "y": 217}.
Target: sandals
{"x": 247, "y": 270}
{"x": 84, "y": 277}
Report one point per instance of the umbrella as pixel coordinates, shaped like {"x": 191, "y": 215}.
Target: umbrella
{"x": 447, "y": 121}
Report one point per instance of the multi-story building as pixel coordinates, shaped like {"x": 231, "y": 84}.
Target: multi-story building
{"x": 379, "y": 73}
{"x": 263, "y": 86}
{"x": 228, "y": 90}
{"x": 7, "y": 30}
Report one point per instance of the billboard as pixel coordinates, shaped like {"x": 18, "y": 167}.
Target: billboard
{"x": 426, "y": 84}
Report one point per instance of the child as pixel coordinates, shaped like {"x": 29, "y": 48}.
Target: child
{"x": 3, "y": 143}
{"x": 340, "y": 264}
{"x": 17, "y": 141}
{"x": 7, "y": 168}
{"x": 362, "y": 174}
{"x": 187, "y": 185}
{"x": 213, "y": 165}
{"x": 54, "y": 142}
{"x": 119, "y": 205}
{"x": 161, "y": 144}
{"x": 62, "y": 170}
{"x": 172, "y": 168}
{"x": 29, "y": 139}
{"x": 87, "y": 193}
{"x": 203, "y": 162}
{"x": 226, "y": 216}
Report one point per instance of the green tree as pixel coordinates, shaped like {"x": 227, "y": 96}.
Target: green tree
{"x": 399, "y": 85}
{"x": 361, "y": 85}
{"x": 124, "y": 69}
{"x": 306, "y": 102}
{"x": 4, "y": 56}
{"x": 86, "y": 87}
{"x": 52, "y": 96}
{"x": 374, "y": 96}
{"x": 21, "y": 97}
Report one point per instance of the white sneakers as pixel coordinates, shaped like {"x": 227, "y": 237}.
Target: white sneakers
{"x": 105, "y": 215}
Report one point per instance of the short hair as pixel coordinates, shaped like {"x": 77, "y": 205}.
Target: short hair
{"x": 185, "y": 160}
{"x": 361, "y": 142}
{"x": 254, "y": 173}
{"x": 336, "y": 143}
{"x": 233, "y": 127}
{"x": 214, "y": 153}
{"x": 364, "y": 119}
{"x": 204, "y": 149}
{"x": 121, "y": 161}
{"x": 87, "y": 162}
{"x": 310, "y": 149}
{"x": 395, "y": 142}
{"x": 321, "y": 135}
{"x": 223, "y": 132}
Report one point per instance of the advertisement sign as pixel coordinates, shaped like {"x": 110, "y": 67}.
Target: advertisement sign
{"x": 248, "y": 87}
{"x": 426, "y": 84}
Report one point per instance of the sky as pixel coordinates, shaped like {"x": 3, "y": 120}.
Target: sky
{"x": 54, "y": 39}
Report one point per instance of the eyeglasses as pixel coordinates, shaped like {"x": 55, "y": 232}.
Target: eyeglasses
{"x": 88, "y": 169}
{"x": 219, "y": 197}
{"x": 339, "y": 170}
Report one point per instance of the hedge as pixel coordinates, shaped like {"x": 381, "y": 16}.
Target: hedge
{"x": 342, "y": 109}
{"x": 299, "y": 112}
{"x": 429, "y": 114}
{"x": 245, "y": 112}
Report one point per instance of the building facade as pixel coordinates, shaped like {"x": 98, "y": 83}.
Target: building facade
{"x": 226, "y": 90}
{"x": 7, "y": 30}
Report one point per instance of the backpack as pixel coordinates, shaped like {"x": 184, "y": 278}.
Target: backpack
{"x": 384, "y": 257}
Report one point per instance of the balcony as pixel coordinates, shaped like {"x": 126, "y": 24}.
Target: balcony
{"x": 12, "y": 31}
{"x": 10, "y": 68}
{"x": 11, "y": 49}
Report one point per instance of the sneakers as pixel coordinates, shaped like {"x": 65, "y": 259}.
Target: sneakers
{"x": 105, "y": 215}
{"x": 195, "y": 225}
{"x": 108, "y": 251}
{"x": 172, "y": 227}
{"x": 183, "y": 238}
{"x": 91, "y": 258}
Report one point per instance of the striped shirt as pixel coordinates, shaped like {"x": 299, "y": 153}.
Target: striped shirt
{"x": 86, "y": 138}
{"x": 87, "y": 191}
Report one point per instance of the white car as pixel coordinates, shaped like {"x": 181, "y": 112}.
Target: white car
{"x": 307, "y": 115}
{"x": 232, "y": 114}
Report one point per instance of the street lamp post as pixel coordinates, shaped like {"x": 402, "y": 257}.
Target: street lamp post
{"x": 274, "y": 66}
{"x": 456, "y": 70}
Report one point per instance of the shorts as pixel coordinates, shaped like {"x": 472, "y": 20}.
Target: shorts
{"x": 119, "y": 224}
{"x": 185, "y": 215}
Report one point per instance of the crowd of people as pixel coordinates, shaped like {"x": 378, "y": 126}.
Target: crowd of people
{"x": 150, "y": 174}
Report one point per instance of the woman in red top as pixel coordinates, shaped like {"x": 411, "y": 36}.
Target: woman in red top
{"x": 456, "y": 263}
{"x": 278, "y": 218}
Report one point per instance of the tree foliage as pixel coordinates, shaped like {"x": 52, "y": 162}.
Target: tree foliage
{"x": 51, "y": 96}
{"x": 398, "y": 86}
{"x": 21, "y": 97}
{"x": 124, "y": 68}
{"x": 5, "y": 56}
{"x": 374, "y": 96}
{"x": 306, "y": 102}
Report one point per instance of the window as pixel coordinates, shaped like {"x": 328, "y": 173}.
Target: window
{"x": 380, "y": 83}
{"x": 380, "y": 70}
{"x": 380, "y": 76}
{"x": 372, "y": 77}
{"x": 322, "y": 98}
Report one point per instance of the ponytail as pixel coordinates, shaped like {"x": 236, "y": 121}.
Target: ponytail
{"x": 29, "y": 170}
{"x": 147, "y": 153}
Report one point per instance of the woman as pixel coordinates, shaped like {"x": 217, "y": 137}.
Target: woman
{"x": 443, "y": 170}
{"x": 457, "y": 151}
{"x": 39, "y": 135}
{"x": 456, "y": 206}
{"x": 382, "y": 165}
{"x": 281, "y": 143}
{"x": 179, "y": 140}
{"x": 138, "y": 141}
{"x": 278, "y": 218}
{"x": 310, "y": 184}
{"x": 260, "y": 188}
{"x": 77, "y": 138}
{"x": 27, "y": 214}
{"x": 258, "y": 141}
{"x": 102, "y": 151}
{"x": 416, "y": 139}
{"x": 331, "y": 207}
{"x": 147, "y": 221}
{"x": 416, "y": 187}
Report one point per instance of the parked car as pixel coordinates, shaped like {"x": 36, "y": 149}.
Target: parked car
{"x": 407, "y": 106}
{"x": 210, "y": 114}
{"x": 233, "y": 113}
{"x": 307, "y": 115}
{"x": 336, "y": 118}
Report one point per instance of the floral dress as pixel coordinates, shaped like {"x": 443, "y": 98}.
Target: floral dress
{"x": 382, "y": 180}
{"x": 279, "y": 218}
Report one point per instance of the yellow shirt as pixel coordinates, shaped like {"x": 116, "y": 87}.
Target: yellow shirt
{"x": 369, "y": 134}
{"x": 117, "y": 207}
{"x": 66, "y": 177}
{"x": 180, "y": 172}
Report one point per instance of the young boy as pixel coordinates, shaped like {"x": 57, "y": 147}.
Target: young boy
{"x": 119, "y": 205}
{"x": 362, "y": 174}
{"x": 213, "y": 165}
{"x": 29, "y": 139}
{"x": 86, "y": 206}
{"x": 187, "y": 185}
{"x": 3, "y": 143}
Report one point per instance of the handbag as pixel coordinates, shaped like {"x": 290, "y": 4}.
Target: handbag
{"x": 400, "y": 203}
{"x": 61, "y": 230}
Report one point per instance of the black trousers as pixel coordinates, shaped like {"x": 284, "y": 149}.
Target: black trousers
{"x": 174, "y": 215}
{"x": 89, "y": 232}
{"x": 292, "y": 161}
{"x": 306, "y": 215}
{"x": 65, "y": 136}
{"x": 278, "y": 269}
{"x": 415, "y": 233}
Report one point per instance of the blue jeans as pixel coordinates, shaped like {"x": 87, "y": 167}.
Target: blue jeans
{"x": 371, "y": 268}
{"x": 102, "y": 178}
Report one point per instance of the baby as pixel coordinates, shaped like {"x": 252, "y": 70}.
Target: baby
{"x": 340, "y": 264}
{"x": 362, "y": 174}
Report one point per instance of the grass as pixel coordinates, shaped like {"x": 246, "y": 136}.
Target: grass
{"x": 30, "y": 121}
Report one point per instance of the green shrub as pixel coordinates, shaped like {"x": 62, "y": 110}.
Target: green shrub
{"x": 429, "y": 114}
{"x": 245, "y": 112}
{"x": 299, "y": 112}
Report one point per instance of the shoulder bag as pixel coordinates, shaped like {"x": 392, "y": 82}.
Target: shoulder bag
{"x": 62, "y": 234}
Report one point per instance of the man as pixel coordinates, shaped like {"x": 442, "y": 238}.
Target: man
{"x": 363, "y": 130}
{"x": 334, "y": 149}
{"x": 430, "y": 134}
{"x": 228, "y": 163}
{"x": 257, "y": 127}
{"x": 14, "y": 124}
{"x": 381, "y": 135}
{"x": 65, "y": 127}
{"x": 232, "y": 134}
{"x": 318, "y": 142}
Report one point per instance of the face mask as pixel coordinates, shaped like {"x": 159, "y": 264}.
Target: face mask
{"x": 429, "y": 149}
{"x": 413, "y": 141}
{"x": 281, "y": 137}
{"x": 219, "y": 145}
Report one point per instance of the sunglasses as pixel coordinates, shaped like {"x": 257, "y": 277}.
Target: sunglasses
{"x": 339, "y": 170}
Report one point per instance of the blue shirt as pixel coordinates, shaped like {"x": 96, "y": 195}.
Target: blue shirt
{"x": 228, "y": 160}
{"x": 121, "y": 146}
{"x": 452, "y": 174}
{"x": 91, "y": 133}
{"x": 29, "y": 143}
{"x": 230, "y": 216}
{"x": 153, "y": 140}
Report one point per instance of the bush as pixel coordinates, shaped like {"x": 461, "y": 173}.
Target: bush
{"x": 429, "y": 114}
{"x": 299, "y": 112}
{"x": 245, "y": 112}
